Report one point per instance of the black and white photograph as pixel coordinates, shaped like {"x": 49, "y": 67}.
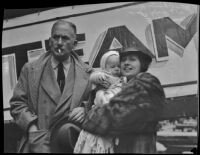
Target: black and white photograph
{"x": 118, "y": 77}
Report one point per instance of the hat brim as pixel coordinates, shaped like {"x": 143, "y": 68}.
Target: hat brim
{"x": 146, "y": 56}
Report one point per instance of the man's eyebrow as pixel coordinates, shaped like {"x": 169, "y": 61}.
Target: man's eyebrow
{"x": 60, "y": 35}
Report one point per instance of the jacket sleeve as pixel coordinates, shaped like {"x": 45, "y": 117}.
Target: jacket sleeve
{"x": 134, "y": 109}
{"x": 88, "y": 95}
{"x": 20, "y": 110}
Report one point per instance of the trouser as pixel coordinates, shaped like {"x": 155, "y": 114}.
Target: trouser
{"x": 64, "y": 138}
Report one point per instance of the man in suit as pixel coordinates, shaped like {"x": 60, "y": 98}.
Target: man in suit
{"x": 48, "y": 102}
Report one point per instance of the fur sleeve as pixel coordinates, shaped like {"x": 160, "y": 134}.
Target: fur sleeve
{"x": 134, "y": 109}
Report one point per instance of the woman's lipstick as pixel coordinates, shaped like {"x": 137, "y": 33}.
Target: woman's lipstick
{"x": 59, "y": 51}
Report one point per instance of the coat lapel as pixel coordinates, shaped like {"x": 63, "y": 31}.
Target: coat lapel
{"x": 81, "y": 81}
{"x": 49, "y": 83}
{"x": 36, "y": 70}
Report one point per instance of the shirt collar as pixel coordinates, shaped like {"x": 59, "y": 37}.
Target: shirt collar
{"x": 55, "y": 62}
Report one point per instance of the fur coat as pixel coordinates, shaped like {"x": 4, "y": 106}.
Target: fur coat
{"x": 132, "y": 115}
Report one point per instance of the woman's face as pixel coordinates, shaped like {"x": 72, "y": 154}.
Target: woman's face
{"x": 130, "y": 65}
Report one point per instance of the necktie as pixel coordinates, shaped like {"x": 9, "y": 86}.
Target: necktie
{"x": 61, "y": 76}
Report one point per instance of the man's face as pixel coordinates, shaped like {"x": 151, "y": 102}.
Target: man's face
{"x": 130, "y": 65}
{"x": 62, "y": 41}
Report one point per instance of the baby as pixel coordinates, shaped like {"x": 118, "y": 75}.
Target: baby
{"x": 107, "y": 83}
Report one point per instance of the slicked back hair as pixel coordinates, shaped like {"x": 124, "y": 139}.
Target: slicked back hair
{"x": 63, "y": 22}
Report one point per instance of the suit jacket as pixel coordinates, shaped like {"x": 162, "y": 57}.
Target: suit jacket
{"x": 37, "y": 97}
{"x": 132, "y": 115}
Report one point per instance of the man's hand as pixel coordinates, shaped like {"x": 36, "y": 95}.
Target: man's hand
{"x": 77, "y": 115}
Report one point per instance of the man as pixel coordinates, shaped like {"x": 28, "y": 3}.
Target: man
{"x": 48, "y": 99}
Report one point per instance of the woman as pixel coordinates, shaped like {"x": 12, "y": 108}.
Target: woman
{"x": 107, "y": 82}
{"x": 133, "y": 114}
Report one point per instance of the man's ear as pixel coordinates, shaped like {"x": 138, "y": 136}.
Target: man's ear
{"x": 75, "y": 42}
{"x": 49, "y": 41}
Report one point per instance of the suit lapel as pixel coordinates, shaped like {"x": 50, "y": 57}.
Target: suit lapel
{"x": 65, "y": 99}
{"x": 75, "y": 85}
{"x": 69, "y": 85}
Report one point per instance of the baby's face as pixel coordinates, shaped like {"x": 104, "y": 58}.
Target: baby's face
{"x": 113, "y": 65}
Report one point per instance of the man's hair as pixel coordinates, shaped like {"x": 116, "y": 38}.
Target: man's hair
{"x": 63, "y": 22}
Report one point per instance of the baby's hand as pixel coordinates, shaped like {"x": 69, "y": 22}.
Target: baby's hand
{"x": 104, "y": 80}
{"x": 105, "y": 84}
{"x": 100, "y": 78}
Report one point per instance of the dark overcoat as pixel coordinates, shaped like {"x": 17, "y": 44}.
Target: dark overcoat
{"x": 132, "y": 115}
{"x": 37, "y": 98}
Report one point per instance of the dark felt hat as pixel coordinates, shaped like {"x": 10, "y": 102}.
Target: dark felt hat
{"x": 134, "y": 50}
{"x": 144, "y": 56}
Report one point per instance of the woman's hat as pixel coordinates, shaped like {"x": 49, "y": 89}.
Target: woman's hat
{"x": 130, "y": 50}
{"x": 105, "y": 57}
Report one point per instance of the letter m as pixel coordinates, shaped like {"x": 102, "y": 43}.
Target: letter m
{"x": 164, "y": 33}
